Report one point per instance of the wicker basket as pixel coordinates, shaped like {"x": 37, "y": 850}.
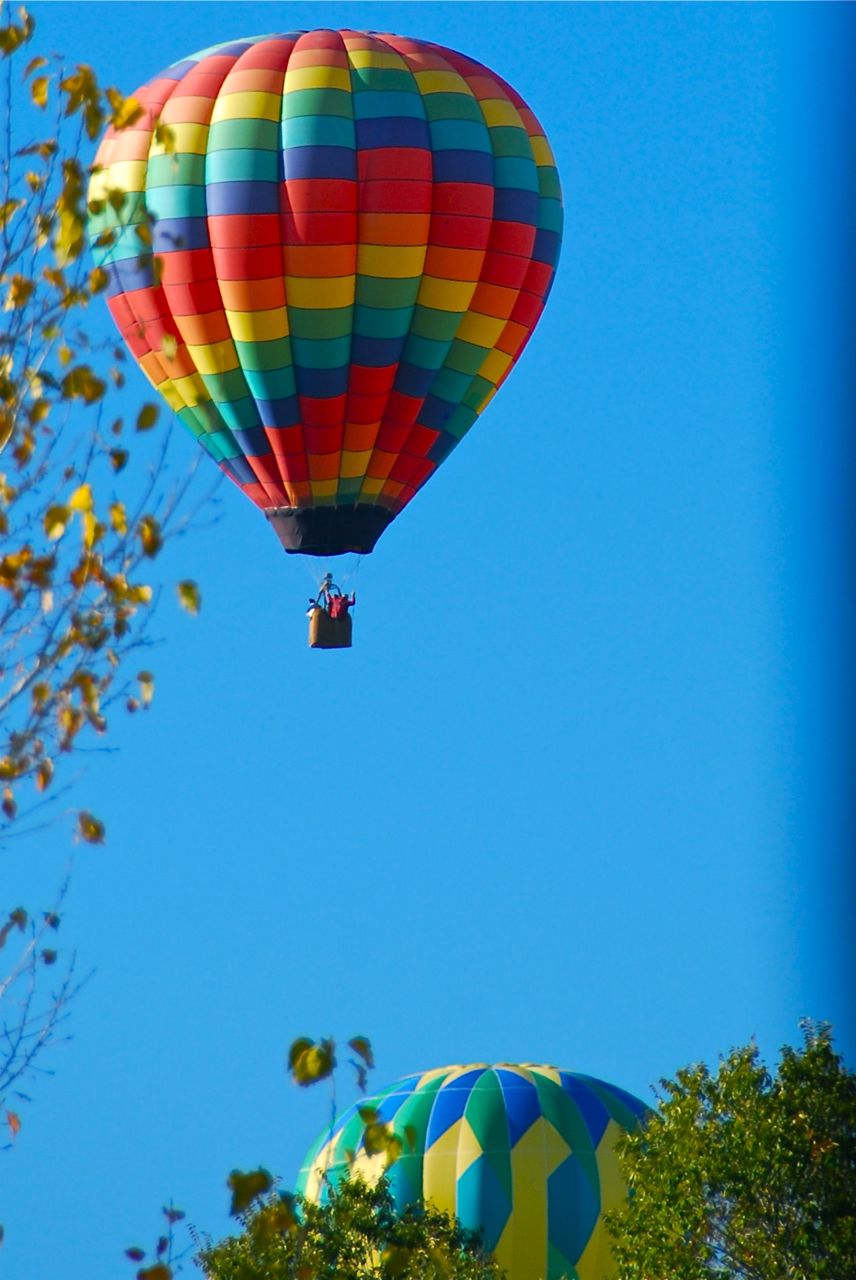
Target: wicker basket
{"x": 329, "y": 633}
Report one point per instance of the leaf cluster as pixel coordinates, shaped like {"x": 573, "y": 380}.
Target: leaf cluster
{"x": 356, "y": 1235}
{"x": 77, "y": 532}
{"x": 744, "y": 1173}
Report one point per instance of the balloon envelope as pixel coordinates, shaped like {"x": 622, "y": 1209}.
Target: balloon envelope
{"x": 332, "y": 248}
{"x": 522, "y": 1153}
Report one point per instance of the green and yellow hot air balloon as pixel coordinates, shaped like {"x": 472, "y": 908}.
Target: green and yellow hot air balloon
{"x": 522, "y": 1153}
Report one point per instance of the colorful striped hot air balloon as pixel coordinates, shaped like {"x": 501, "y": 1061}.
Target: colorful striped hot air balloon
{"x": 332, "y": 249}
{"x": 522, "y": 1153}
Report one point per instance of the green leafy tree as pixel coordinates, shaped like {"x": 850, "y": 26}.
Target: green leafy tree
{"x": 744, "y": 1173}
{"x": 357, "y": 1235}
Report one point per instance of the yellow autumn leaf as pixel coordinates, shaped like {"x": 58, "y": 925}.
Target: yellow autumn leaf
{"x": 20, "y": 291}
{"x": 90, "y": 828}
{"x": 98, "y": 280}
{"x": 118, "y": 517}
{"x": 165, "y": 137}
{"x": 44, "y": 773}
{"x": 35, "y": 64}
{"x": 169, "y": 346}
{"x": 147, "y": 417}
{"x": 7, "y": 209}
{"x": 56, "y": 519}
{"x": 149, "y": 534}
{"x": 92, "y": 530}
{"x": 147, "y": 687}
{"x": 39, "y": 91}
{"x": 118, "y": 458}
{"x": 125, "y": 111}
{"x": 189, "y": 596}
{"x": 81, "y": 499}
{"x": 81, "y": 383}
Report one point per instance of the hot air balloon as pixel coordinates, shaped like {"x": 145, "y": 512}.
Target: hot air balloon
{"x": 332, "y": 248}
{"x": 522, "y": 1153}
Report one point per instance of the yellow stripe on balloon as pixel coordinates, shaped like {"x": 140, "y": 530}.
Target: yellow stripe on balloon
{"x": 541, "y": 150}
{"x": 127, "y": 175}
{"x": 258, "y": 326}
{"x": 440, "y": 82}
{"x": 192, "y": 390}
{"x": 398, "y": 262}
{"x": 595, "y": 1261}
{"x": 184, "y": 137}
{"x": 168, "y": 390}
{"x": 316, "y": 78}
{"x": 332, "y": 291}
{"x": 249, "y": 105}
{"x": 359, "y": 58}
{"x": 216, "y": 357}
{"x": 445, "y": 1161}
{"x": 354, "y": 464}
{"x": 499, "y": 111}
{"x": 317, "y": 1173}
{"x": 447, "y": 295}
{"x": 494, "y": 366}
{"x": 482, "y": 331}
{"x": 525, "y": 1236}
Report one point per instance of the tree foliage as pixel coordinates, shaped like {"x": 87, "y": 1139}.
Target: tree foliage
{"x": 357, "y": 1235}
{"x": 78, "y": 531}
{"x": 744, "y": 1173}
{"x": 79, "y": 526}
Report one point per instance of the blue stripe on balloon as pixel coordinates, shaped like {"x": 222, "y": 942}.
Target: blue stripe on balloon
{"x": 252, "y": 441}
{"x": 240, "y": 470}
{"x": 401, "y": 131}
{"x": 435, "y": 413}
{"x": 481, "y": 1201}
{"x": 546, "y": 247}
{"x": 573, "y": 1205}
{"x": 323, "y": 384}
{"x": 590, "y": 1107}
{"x": 242, "y": 197}
{"x": 521, "y": 1103}
{"x": 410, "y": 380}
{"x": 375, "y": 353}
{"x": 279, "y": 413}
{"x": 131, "y": 274}
{"x": 450, "y": 1103}
{"x": 441, "y": 448}
{"x": 319, "y": 162}
{"x": 179, "y": 233}
{"x": 513, "y": 205}
{"x": 463, "y": 166}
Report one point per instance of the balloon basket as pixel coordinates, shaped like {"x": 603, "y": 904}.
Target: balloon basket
{"x": 329, "y": 633}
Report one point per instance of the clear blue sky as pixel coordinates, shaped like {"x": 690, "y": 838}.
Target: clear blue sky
{"x": 577, "y": 793}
